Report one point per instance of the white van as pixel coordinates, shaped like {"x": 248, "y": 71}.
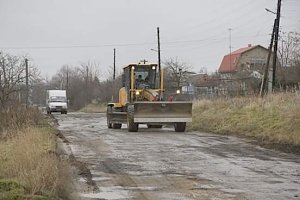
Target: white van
{"x": 56, "y": 101}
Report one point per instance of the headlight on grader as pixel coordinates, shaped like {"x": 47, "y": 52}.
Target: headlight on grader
{"x": 137, "y": 92}
{"x": 177, "y": 91}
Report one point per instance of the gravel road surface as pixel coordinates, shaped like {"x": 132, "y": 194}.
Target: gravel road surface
{"x": 159, "y": 164}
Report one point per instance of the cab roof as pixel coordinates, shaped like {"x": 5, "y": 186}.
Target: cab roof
{"x": 141, "y": 63}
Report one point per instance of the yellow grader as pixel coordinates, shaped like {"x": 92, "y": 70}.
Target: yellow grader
{"x": 141, "y": 101}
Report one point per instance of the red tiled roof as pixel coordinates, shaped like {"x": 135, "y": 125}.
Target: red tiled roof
{"x": 225, "y": 66}
{"x": 242, "y": 50}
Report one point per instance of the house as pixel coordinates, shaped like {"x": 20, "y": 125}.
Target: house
{"x": 241, "y": 71}
{"x": 250, "y": 58}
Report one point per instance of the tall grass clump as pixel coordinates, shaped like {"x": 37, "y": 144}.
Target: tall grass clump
{"x": 17, "y": 117}
{"x": 27, "y": 158}
{"x": 29, "y": 165}
{"x": 275, "y": 118}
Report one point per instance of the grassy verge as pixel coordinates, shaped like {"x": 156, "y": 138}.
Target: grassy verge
{"x": 29, "y": 166}
{"x": 94, "y": 108}
{"x": 274, "y": 119}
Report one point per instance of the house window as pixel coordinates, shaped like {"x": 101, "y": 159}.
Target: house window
{"x": 256, "y": 62}
{"x": 235, "y": 59}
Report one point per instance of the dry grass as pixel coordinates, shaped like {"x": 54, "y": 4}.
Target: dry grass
{"x": 275, "y": 118}
{"x": 29, "y": 165}
{"x": 16, "y": 118}
{"x": 94, "y": 108}
{"x": 28, "y": 158}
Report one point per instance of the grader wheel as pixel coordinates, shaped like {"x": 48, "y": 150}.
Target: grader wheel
{"x": 179, "y": 126}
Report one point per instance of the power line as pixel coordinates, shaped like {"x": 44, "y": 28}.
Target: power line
{"x": 75, "y": 46}
{"x": 125, "y": 44}
{"x": 208, "y": 43}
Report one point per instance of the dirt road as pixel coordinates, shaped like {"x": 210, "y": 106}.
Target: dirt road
{"x": 161, "y": 164}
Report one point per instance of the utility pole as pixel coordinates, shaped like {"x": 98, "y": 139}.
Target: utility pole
{"x": 87, "y": 86}
{"x": 266, "y": 72}
{"x": 1, "y": 69}
{"x": 158, "y": 49}
{"x": 159, "y": 62}
{"x": 67, "y": 78}
{"x": 230, "y": 29}
{"x": 114, "y": 76}
{"x": 274, "y": 38}
{"x": 27, "y": 84}
{"x": 276, "y": 43}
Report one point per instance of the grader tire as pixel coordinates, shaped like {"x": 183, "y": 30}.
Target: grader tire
{"x": 179, "y": 126}
{"x": 109, "y": 124}
{"x": 131, "y": 126}
{"x": 116, "y": 126}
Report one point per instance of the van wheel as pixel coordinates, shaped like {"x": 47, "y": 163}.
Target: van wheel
{"x": 179, "y": 126}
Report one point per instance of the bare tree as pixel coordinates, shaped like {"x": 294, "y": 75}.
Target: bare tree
{"x": 12, "y": 78}
{"x": 176, "y": 74}
{"x": 84, "y": 84}
{"x": 38, "y": 91}
{"x": 90, "y": 73}
{"x": 289, "y": 56}
{"x": 289, "y": 50}
{"x": 81, "y": 82}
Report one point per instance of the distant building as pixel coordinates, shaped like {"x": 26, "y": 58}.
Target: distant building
{"x": 250, "y": 58}
{"x": 242, "y": 70}
{"x": 203, "y": 85}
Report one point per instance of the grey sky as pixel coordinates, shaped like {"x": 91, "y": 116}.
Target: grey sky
{"x": 194, "y": 31}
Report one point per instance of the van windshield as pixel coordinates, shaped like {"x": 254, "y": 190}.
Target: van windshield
{"x": 57, "y": 99}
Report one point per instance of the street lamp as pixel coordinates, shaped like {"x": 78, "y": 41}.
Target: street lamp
{"x": 268, "y": 10}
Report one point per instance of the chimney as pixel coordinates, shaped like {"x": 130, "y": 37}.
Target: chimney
{"x": 249, "y": 45}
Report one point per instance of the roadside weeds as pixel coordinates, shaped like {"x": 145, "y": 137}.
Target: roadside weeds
{"x": 30, "y": 168}
{"x": 273, "y": 121}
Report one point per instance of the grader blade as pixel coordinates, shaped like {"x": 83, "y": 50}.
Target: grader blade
{"x": 162, "y": 112}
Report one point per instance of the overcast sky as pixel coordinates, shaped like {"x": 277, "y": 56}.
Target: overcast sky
{"x": 54, "y": 33}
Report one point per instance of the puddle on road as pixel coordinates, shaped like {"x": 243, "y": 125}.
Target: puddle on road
{"x": 95, "y": 179}
{"x": 80, "y": 150}
{"x": 101, "y": 178}
{"x": 109, "y": 193}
